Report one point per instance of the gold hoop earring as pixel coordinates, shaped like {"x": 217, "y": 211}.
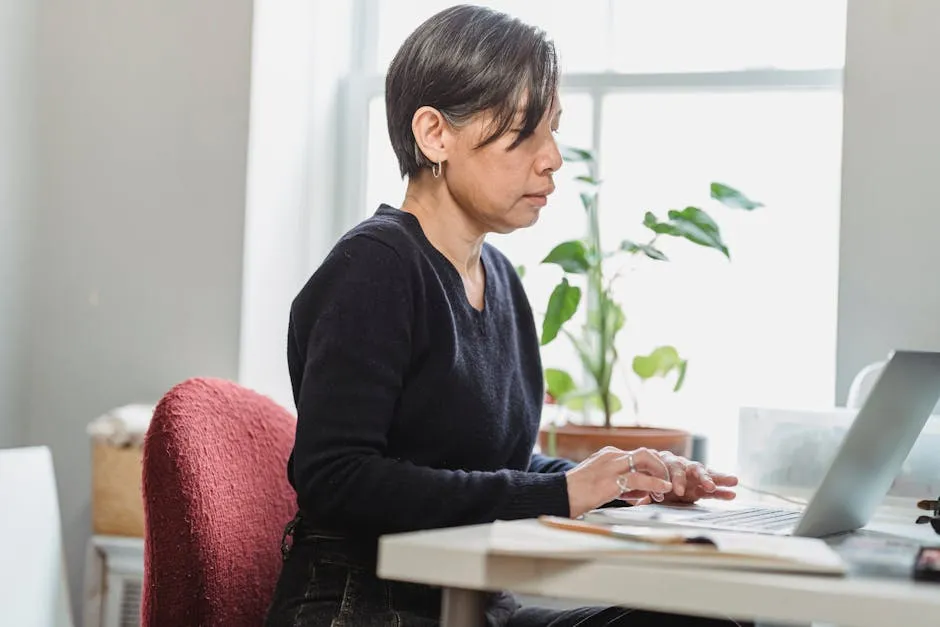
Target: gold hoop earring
{"x": 436, "y": 169}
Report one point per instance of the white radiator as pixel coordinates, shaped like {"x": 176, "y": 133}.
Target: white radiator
{"x": 114, "y": 575}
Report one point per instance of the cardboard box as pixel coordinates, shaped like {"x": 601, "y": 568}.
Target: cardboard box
{"x": 117, "y": 504}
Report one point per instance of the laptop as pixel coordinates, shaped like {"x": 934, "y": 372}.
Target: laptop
{"x": 856, "y": 483}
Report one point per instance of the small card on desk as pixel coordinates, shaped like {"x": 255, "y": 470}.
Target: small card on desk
{"x": 570, "y": 539}
{"x": 927, "y": 564}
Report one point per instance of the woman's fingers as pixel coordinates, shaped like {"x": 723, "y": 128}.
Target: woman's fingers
{"x": 678, "y": 472}
{"x": 697, "y": 476}
{"x": 724, "y": 494}
{"x": 693, "y": 480}
{"x": 647, "y": 483}
{"x": 636, "y": 497}
{"x": 704, "y": 477}
{"x": 648, "y": 462}
{"x": 678, "y": 477}
{"x": 723, "y": 479}
{"x": 648, "y": 476}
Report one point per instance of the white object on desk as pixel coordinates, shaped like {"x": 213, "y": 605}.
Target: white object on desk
{"x": 864, "y": 381}
{"x": 33, "y": 584}
{"x": 460, "y": 559}
{"x": 788, "y": 450}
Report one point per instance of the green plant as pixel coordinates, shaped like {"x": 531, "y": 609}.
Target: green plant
{"x": 584, "y": 262}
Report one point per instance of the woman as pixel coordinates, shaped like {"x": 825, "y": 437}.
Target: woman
{"x": 413, "y": 351}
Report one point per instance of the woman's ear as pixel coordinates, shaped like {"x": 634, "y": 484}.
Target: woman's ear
{"x": 430, "y": 130}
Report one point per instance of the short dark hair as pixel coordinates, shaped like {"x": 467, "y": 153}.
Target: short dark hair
{"x": 463, "y": 61}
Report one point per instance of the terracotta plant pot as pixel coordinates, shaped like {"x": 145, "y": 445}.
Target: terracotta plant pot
{"x": 576, "y": 442}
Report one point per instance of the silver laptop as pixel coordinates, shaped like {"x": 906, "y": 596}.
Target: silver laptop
{"x": 857, "y": 481}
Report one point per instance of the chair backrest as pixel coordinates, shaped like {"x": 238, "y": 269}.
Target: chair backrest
{"x": 216, "y": 499}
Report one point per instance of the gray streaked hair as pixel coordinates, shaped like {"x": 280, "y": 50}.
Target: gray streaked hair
{"x": 464, "y": 61}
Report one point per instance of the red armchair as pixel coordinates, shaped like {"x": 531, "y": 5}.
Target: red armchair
{"x": 216, "y": 499}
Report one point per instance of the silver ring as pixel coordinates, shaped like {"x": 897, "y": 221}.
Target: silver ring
{"x": 631, "y": 462}
{"x": 622, "y": 483}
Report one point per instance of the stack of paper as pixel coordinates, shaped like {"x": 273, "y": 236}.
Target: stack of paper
{"x": 731, "y": 550}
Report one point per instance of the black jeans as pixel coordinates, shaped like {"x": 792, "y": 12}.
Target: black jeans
{"x": 330, "y": 581}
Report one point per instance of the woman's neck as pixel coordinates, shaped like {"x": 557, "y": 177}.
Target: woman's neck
{"x": 446, "y": 225}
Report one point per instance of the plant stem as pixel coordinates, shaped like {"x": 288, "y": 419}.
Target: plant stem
{"x": 634, "y": 400}
{"x": 597, "y": 311}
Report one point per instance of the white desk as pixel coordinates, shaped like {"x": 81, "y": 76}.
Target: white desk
{"x": 457, "y": 559}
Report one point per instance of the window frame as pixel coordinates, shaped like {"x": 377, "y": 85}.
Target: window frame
{"x": 358, "y": 90}
{"x": 365, "y": 82}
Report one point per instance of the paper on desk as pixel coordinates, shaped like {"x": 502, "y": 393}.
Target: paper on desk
{"x": 739, "y": 551}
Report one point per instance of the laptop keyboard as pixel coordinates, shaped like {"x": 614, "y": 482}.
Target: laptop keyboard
{"x": 751, "y": 518}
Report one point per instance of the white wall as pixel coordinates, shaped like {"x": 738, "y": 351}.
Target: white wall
{"x": 18, "y": 47}
{"x": 300, "y": 52}
{"x": 136, "y": 270}
{"x": 889, "y": 259}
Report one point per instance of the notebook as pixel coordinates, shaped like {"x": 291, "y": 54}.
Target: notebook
{"x": 658, "y": 547}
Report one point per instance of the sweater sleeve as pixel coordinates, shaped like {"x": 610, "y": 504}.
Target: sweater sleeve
{"x": 544, "y": 463}
{"x": 359, "y": 326}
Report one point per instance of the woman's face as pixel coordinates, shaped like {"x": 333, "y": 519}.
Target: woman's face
{"x": 503, "y": 189}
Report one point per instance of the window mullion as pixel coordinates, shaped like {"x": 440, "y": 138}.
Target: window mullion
{"x": 365, "y": 40}
{"x": 352, "y": 153}
{"x": 745, "y": 79}
{"x": 597, "y": 112}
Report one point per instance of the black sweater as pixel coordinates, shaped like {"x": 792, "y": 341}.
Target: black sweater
{"x": 415, "y": 410}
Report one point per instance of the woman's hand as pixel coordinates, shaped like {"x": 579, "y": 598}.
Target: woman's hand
{"x": 692, "y": 481}
{"x": 611, "y": 473}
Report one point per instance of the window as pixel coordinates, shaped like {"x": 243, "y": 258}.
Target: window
{"x": 672, "y": 95}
